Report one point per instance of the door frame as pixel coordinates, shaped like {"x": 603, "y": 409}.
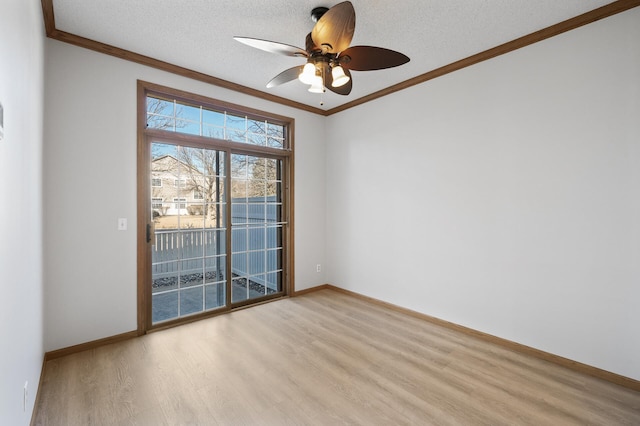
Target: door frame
{"x": 146, "y": 136}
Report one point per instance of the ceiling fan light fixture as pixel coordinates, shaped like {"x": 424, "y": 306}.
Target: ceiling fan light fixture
{"x": 339, "y": 77}
{"x": 327, "y": 47}
{"x": 317, "y": 85}
{"x": 308, "y": 73}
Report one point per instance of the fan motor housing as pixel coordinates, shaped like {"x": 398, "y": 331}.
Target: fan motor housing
{"x": 317, "y": 13}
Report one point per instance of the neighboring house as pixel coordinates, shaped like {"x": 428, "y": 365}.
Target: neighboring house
{"x": 175, "y": 187}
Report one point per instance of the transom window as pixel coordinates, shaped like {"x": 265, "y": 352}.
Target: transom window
{"x": 180, "y": 117}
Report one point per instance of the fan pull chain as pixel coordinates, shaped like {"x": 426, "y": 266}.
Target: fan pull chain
{"x": 324, "y": 87}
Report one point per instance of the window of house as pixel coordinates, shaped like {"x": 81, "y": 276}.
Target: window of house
{"x": 156, "y": 203}
{"x": 156, "y": 182}
{"x": 180, "y": 203}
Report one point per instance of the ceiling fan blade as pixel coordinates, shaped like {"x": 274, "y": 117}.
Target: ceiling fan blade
{"x": 334, "y": 30}
{"x": 273, "y": 47}
{"x": 310, "y": 45}
{"x": 285, "y": 76}
{"x": 342, "y": 90}
{"x": 369, "y": 58}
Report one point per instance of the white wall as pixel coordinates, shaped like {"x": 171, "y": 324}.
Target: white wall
{"x": 90, "y": 181}
{"x": 504, "y": 197}
{"x": 21, "y": 94}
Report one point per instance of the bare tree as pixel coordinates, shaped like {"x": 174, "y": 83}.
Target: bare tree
{"x": 202, "y": 173}
{"x": 264, "y": 177}
{"x": 162, "y": 114}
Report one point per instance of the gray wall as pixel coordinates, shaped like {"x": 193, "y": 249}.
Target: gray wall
{"x": 504, "y": 197}
{"x": 21, "y": 95}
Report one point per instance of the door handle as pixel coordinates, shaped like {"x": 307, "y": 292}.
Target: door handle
{"x": 151, "y": 232}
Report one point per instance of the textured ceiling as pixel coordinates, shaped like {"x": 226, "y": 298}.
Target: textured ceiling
{"x": 197, "y": 34}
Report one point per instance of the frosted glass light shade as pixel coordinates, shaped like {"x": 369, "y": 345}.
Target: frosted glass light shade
{"x": 339, "y": 77}
{"x": 316, "y": 85}
{"x": 308, "y": 73}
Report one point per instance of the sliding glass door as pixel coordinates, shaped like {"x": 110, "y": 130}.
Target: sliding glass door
{"x": 214, "y": 222}
{"x": 256, "y": 227}
{"x": 192, "y": 217}
{"x": 188, "y": 212}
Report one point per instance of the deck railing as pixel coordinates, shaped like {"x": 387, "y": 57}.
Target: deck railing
{"x": 256, "y": 246}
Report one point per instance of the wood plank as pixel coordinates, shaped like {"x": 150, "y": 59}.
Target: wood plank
{"x": 514, "y": 346}
{"x": 325, "y": 357}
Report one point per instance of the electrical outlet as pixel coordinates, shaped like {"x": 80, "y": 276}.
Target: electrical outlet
{"x": 318, "y": 268}
{"x": 25, "y": 396}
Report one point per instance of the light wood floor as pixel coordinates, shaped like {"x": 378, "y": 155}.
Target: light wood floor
{"x": 322, "y": 358}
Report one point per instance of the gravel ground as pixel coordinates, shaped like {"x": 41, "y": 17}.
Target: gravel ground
{"x": 189, "y": 299}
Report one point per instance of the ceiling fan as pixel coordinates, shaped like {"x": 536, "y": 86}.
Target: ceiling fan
{"x": 330, "y": 60}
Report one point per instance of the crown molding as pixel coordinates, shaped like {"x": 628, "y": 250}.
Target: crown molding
{"x": 552, "y": 31}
